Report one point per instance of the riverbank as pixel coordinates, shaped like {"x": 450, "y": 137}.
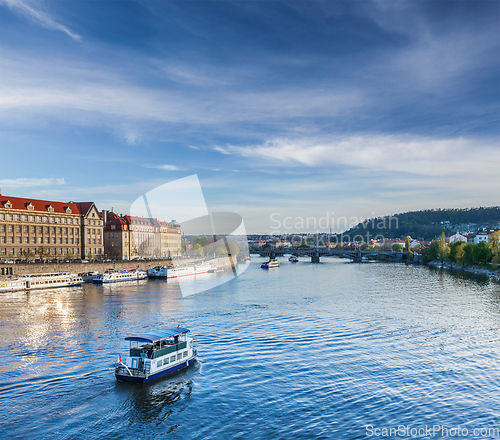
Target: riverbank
{"x": 35, "y": 268}
{"x": 469, "y": 269}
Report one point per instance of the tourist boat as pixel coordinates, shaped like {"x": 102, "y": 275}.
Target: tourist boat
{"x": 156, "y": 354}
{"x": 116, "y": 275}
{"x": 180, "y": 271}
{"x": 293, "y": 259}
{"x": 270, "y": 264}
{"x": 40, "y": 281}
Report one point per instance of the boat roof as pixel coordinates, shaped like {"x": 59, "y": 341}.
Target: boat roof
{"x": 157, "y": 335}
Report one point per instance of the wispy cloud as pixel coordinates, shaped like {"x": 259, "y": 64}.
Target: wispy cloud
{"x": 410, "y": 154}
{"x": 31, "y": 182}
{"x": 165, "y": 167}
{"x": 38, "y": 16}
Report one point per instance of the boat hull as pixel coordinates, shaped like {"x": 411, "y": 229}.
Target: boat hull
{"x": 167, "y": 371}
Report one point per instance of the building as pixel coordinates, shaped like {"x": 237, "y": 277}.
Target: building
{"x": 129, "y": 237}
{"x": 40, "y": 229}
{"x": 458, "y": 237}
{"x": 484, "y": 235}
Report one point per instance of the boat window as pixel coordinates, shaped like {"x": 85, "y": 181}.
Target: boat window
{"x": 172, "y": 358}
{"x": 185, "y": 354}
{"x": 158, "y": 364}
{"x": 165, "y": 362}
{"x": 179, "y": 356}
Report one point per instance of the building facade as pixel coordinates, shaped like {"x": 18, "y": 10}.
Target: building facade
{"x": 41, "y": 229}
{"x": 128, "y": 237}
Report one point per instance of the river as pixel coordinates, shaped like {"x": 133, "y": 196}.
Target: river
{"x": 305, "y": 351}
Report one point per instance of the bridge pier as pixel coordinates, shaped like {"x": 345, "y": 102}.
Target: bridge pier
{"x": 357, "y": 257}
{"x": 315, "y": 257}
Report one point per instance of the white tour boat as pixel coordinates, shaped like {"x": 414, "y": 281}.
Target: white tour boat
{"x": 293, "y": 259}
{"x": 270, "y": 264}
{"x": 181, "y": 271}
{"x": 40, "y": 281}
{"x": 116, "y": 275}
{"x": 156, "y": 354}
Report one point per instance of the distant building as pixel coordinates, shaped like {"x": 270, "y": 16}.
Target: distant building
{"x": 128, "y": 237}
{"x": 32, "y": 228}
{"x": 484, "y": 235}
{"x": 458, "y": 237}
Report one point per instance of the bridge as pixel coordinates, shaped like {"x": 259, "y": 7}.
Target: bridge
{"x": 315, "y": 254}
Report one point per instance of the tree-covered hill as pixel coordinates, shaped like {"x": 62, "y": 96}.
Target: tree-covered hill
{"x": 428, "y": 224}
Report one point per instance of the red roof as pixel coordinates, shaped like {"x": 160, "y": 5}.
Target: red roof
{"x": 39, "y": 205}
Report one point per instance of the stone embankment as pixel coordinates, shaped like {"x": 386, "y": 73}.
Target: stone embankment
{"x": 25, "y": 268}
{"x": 470, "y": 269}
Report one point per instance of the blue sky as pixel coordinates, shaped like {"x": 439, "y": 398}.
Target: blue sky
{"x": 291, "y": 109}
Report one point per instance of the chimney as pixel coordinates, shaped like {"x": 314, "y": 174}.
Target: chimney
{"x": 104, "y": 216}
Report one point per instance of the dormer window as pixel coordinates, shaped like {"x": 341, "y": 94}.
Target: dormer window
{"x": 30, "y": 206}
{"x": 7, "y": 204}
{"x": 68, "y": 210}
{"x": 50, "y": 208}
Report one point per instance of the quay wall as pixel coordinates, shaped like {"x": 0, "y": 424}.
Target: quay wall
{"x": 25, "y": 268}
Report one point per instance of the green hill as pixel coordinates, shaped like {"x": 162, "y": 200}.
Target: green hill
{"x": 427, "y": 224}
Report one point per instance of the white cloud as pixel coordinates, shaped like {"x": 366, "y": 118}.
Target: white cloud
{"x": 30, "y": 182}
{"x": 165, "y": 167}
{"x": 410, "y": 154}
{"x": 38, "y": 16}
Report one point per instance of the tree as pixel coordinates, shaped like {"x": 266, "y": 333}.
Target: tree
{"x": 432, "y": 252}
{"x": 90, "y": 255}
{"x": 495, "y": 243}
{"x": 407, "y": 244}
{"x": 69, "y": 255}
{"x": 396, "y": 247}
{"x": 202, "y": 241}
{"x": 442, "y": 247}
{"x": 43, "y": 253}
{"x": 197, "y": 249}
{"x": 481, "y": 253}
{"x": 457, "y": 253}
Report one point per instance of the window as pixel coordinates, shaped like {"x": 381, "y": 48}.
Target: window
{"x": 2, "y": 228}
{"x": 59, "y": 230}
{"x": 26, "y": 228}
{"x": 18, "y": 228}
{"x": 33, "y": 229}
{"x": 59, "y": 240}
{"x": 46, "y": 229}
{"x": 53, "y": 229}
{"x": 26, "y": 240}
{"x": 11, "y": 228}
{"x": 65, "y": 220}
{"x": 65, "y": 241}
{"x": 2, "y": 239}
{"x": 185, "y": 354}
{"x": 179, "y": 356}
{"x": 53, "y": 240}
{"x": 77, "y": 241}
{"x": 40, "y": 240}
{"x": 50, "y": 208}
{"x": 165, "y": 361}
{"x": 32, "y": 218}
{"x": 71, "y": 241}
{"x": 66, "y": 231}
{"x": 158, "y": 363}
{"x": 38, "y": 218}
{"x": 172, "y": 358}
{"x": 11, "y": 239}
{"x": 33, "y": 240}
{"x": 71, "y": 231}
{"x": 2, "y": 216}
{"x": 113, "y": 227}
{"x": 88, "y": 241}
{"x": 93, "y": 241}
{"x": 40, "y": 229}
{"x": 47, "y": 240}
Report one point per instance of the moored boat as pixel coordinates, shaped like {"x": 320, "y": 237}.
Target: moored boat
{"x": 40, "y": 281}
{"x": 116, "y": 275}
{"x": 156, "y": 354}
{"x": 270, "y": 264}
{"x": 293, "y": 259}
{"x": 181, "y": 271}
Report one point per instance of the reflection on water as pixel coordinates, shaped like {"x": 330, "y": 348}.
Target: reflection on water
{"x": 303, "y": 351}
